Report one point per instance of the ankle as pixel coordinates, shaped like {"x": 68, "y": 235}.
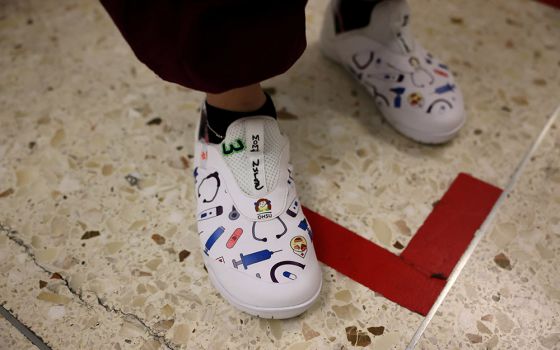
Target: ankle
{"x": 219, "y": 119}
{"x": 244, "y": 99}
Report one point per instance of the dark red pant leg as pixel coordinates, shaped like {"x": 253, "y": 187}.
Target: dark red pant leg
{"x": 213, "y": 45}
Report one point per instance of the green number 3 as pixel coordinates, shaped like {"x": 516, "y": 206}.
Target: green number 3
{"x": 232, "y": 147}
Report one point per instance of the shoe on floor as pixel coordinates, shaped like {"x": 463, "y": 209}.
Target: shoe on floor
{"x": 413, "y": 90}
{"x": 257, "y": 245}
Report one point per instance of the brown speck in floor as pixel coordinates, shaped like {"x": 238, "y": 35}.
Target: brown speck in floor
{"x": 357, "y": 337}
{"x": 457, "y": 20}
{"x": 183, "y": 254}
{"x": 482, "y": 328}
{"x": 376, "y": 330}
{"x": 42, "y": 284}
{"x": 6, "y": 193}
{"x": 502, "y": 261}
{"x": 155, "y": 121}
{"x": 477, "y": 131}
{"x": 398, "y": 245}
{"x": 56, "y": 276}
{"x": 474, "y": 338}
{"x": 90, "y": 234}
{"x": 539, "y": 82}
{"x": 158, "y": 239}
{"x": 520, "y": 100}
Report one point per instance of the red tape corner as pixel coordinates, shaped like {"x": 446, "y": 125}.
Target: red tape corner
{"x": 416, "y": 277}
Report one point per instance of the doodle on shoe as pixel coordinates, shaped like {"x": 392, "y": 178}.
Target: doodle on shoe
{"x": 256, "y": 244}
{"x": 414, "y": 91}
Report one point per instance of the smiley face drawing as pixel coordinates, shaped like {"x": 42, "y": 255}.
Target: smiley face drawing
{"x": 415, "y": 99}
{"x": 299, "y": 246}
{"x": 263, "y": 206}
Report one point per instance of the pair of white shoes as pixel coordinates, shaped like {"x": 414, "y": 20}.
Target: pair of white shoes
{"x": 257, "y": 245}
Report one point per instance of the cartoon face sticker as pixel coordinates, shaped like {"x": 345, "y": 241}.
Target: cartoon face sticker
{"x": 299, "y": 246}
{"x": 263, "y": 206}
{"x": 415, "y": 99}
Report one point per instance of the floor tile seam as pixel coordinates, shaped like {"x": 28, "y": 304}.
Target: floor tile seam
{"x": 483, "y": 230}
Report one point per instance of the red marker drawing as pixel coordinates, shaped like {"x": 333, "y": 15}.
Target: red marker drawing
{"x": 440, "y": 72}
{"x": 234, "y": 237}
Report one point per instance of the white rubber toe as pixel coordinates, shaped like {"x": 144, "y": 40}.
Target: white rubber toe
{"x": 266, "y": 299}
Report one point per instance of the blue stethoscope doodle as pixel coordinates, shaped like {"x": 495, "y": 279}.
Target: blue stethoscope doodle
{"x": 215, "y": 176}
{"x": 213, "y": 238}
{"x": 282, "y": 263}
{"x": 264, "y": 239}
{"x": 253, "y": 258}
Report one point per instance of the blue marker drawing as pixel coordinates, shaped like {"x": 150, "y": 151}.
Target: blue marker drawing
{"x": 289, "y": 275}
{"x": 213, "y": 238}
{"x": 398, "y": 91}
{"x": 443, "y": 66}
{"x": 253, "y": 258}
{"x": 305, "y": 226}
{"x": 445, "y": 88}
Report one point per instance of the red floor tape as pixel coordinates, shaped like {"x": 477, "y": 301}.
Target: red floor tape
{"x": 416, "y": 277}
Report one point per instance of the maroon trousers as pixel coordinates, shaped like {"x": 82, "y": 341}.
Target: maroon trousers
{"x": 213, "y": 45}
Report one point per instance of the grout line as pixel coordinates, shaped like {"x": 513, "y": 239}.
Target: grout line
{"x": 481, "y": 232}
{"x": 23, "y": 329}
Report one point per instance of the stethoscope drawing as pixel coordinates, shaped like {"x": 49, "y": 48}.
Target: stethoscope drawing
{"x": 264, "y": 238}
{"x": 215, "y": 176}
{"x": 233, "y": 214}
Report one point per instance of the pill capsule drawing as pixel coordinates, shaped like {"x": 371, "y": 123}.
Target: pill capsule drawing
{"x": 234, "y": 237}
{"x": 289, "y": 275}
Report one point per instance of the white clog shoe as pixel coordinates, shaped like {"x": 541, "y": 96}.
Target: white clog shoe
{"x": 256, "y": 243}
{"x": 415, "y": 92}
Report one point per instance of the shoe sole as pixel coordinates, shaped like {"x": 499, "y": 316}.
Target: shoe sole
{"x": 271, "y": 313}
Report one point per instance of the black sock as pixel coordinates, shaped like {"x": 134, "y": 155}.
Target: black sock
{"x": 218, "y": 119}
{"x": 353, "y": 14}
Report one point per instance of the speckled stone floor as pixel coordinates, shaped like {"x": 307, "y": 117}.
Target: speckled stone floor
{"x": 79, "y": 261}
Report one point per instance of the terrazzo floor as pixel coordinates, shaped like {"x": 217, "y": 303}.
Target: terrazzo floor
{"x": 90, "y": 261}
